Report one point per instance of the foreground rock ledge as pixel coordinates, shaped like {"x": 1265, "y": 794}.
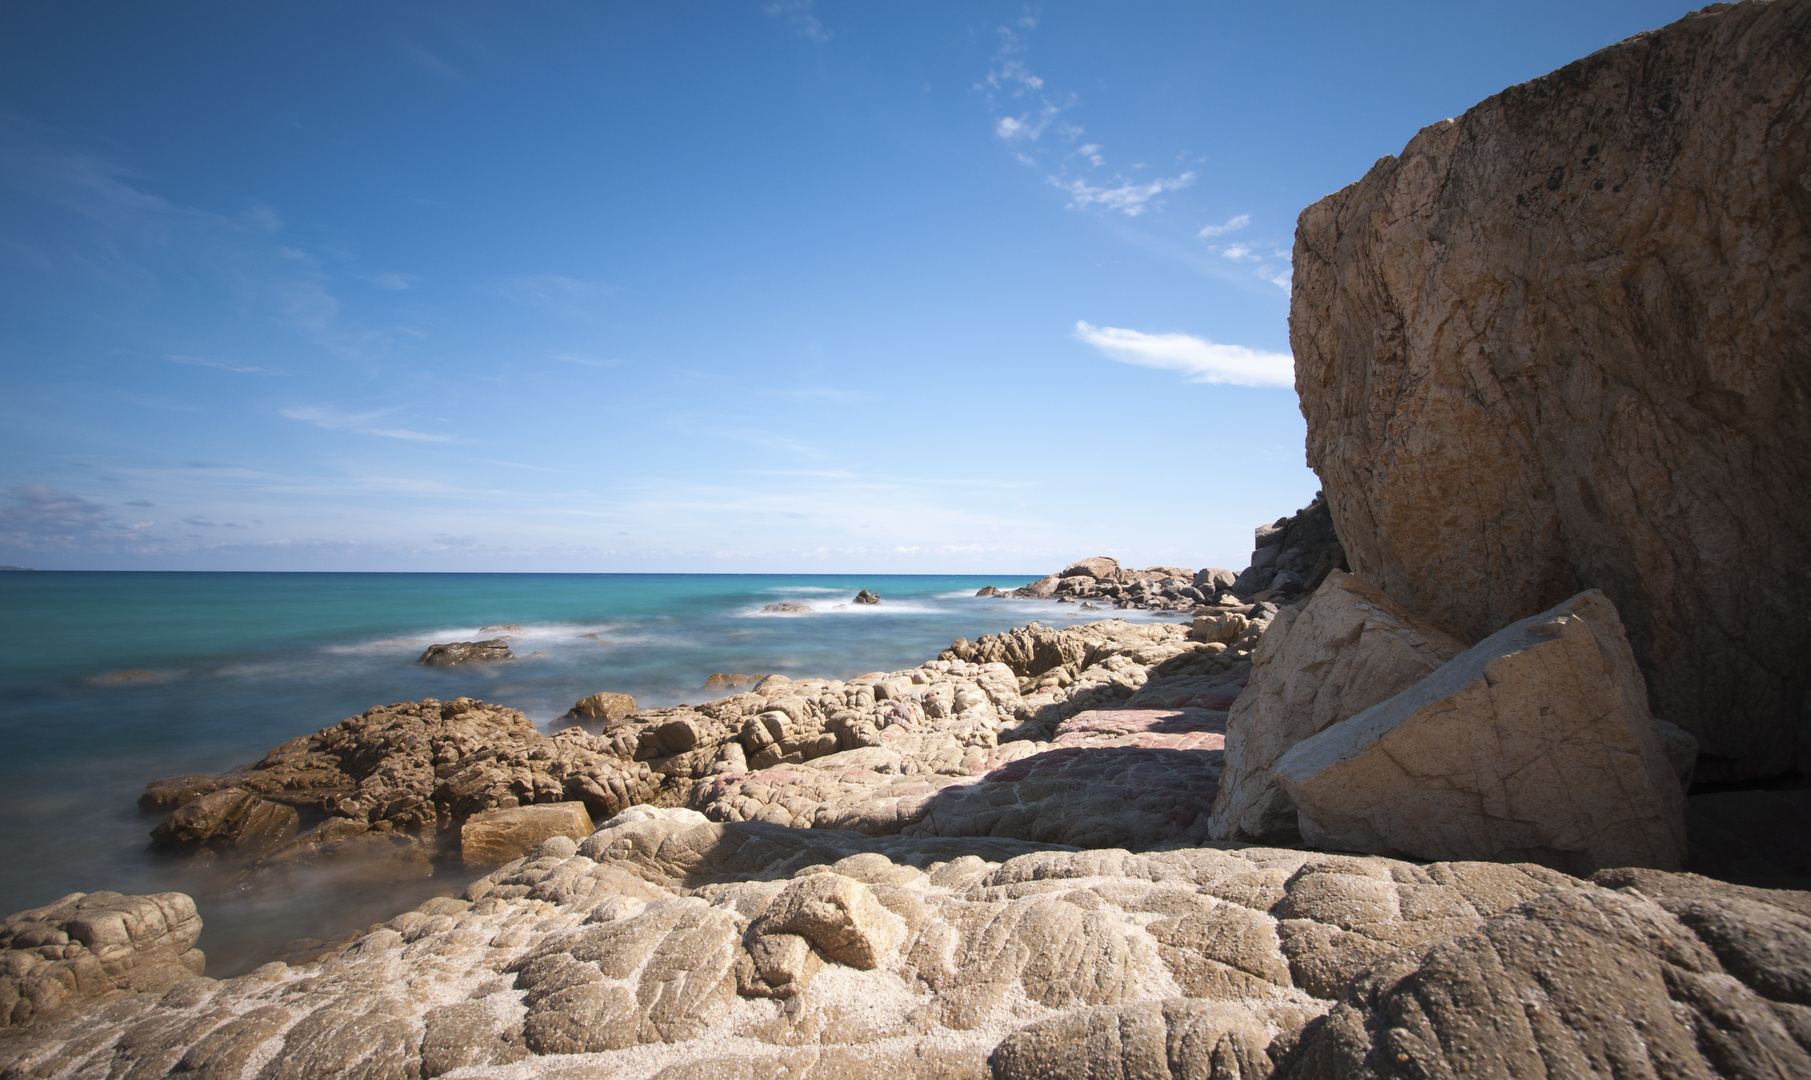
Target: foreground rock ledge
{"x": 669, "y": 946}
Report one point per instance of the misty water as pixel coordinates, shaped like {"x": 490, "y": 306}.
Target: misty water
{"x": 109, "y": 680}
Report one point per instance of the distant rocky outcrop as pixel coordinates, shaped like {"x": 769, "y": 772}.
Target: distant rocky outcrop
{"x": 1564, "y": 342}
{"x": 451, "y": 654}
{"x": 866, "y": 597}
{"x": 788, "y": 607}
{"x": 1290, "y": 557}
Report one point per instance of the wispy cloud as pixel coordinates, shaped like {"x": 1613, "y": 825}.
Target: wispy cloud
{"x": 798, "y": 13}
{"x": 1232, "y": 224}
{"x": 1196, "y": 358}
{"x": 224, "y": 365}
{"x": 361, "y": 423}
{"x": 558, "y": 295}
{"x": 38, "y": 516}
{"x": 1125, "y": 196}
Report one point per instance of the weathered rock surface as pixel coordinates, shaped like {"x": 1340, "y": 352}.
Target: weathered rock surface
{"x": 1347, "y": 649}
{"x": 1564, "y": 342}
{"x": 88, "y": 945}
{"x": 730, "y": 681}
{"x": 1535, "y": 744}
{"x": 795, "y": 607}
{"x": 395, "y": 784}
{"x": 495, "y": 650}
{"x": 866, "y": 597}
{"x": 493, "y": 837}
{"x": 602, "y": 709}
{"x": 666, "y": 945}
{"x": 1292, "y": 555}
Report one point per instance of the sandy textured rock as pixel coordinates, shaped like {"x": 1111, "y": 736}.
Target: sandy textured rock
{"x": 88, "y": 945}
{"x": 659, "y": 947}
{"x": 1349, "y": 648}
{"x": 1535, "y": 744}
{"x": 1564, "y": 341}
{"x": 494, "y": 837}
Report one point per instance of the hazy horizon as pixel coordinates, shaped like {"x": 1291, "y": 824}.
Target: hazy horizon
{"x": 754, "y": 287}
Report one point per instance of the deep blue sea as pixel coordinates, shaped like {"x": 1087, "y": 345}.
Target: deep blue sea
{"x": 108, "y": 680}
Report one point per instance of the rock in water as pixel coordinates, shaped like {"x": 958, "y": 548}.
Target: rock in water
{"x": 602, "y": 708}
{"x": 797, "y": 607}
{"x": 1534, "y": 746}
{"x": 732, "y": 682}
{"x": 866, "y": 597}
{"x": 1565, "y": 341}
{"x": 467, "y": 652}
{"x": 495, "y": 837}
{"x": 1347, "y": 649}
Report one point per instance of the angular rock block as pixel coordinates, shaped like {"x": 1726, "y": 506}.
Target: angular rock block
{"x": 1347, "y": 649}
{"x": 495, "y": 837}
{"x": 1561, "y": 342}
{"x": 1535, "y": 745}
{"x": 602, "y": 708}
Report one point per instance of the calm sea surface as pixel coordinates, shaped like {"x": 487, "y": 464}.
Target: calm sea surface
{"x": 108, "y": 680}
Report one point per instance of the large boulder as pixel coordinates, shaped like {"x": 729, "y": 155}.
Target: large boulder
{"x": 1100, "y": 567}
{"x": 1564, "y": 341}
{"x": 602, "y": 708}
{"x": 1535, "y": 745}
{"x": 1349, "y": 648}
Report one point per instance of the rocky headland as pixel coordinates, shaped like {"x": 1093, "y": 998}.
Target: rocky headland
{"x": 1489, "y": 764}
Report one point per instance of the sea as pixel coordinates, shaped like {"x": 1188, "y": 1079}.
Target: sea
{"x": 109, "y": 680}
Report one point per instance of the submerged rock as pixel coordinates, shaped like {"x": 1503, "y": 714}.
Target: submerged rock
{"x": 796, "y": 607}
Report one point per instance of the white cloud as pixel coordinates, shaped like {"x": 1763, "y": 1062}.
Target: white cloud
{"x": 1239, "y": 253}
{"x": 1233, "y": 224}
{"x": 798, "y": 13}
{"x": 1198, "y": 359}
{"x": 1282, "y": 279}
{"x": 224, "y": 365}
{"x": 1128, "y": 198}
{"x": 361, "y": 423}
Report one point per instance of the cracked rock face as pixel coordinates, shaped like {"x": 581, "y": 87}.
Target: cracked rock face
{"x": 1564, "y": 342}
{"x": 1535, "y": 744}
{"x": 88, "y": 945}
{"x": 670, "y": 946}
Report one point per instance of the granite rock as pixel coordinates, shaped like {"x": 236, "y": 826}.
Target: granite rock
{"x": 1535, "y": 744}
{"x": 1564, "y": 342}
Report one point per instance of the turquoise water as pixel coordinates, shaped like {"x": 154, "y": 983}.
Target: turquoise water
{"x": 225, "y": 666}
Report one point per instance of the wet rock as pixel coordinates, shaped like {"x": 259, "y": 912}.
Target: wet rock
{"x": 1349, "y": 648}
{"x": 454, "y": 653}
{"x": 989, "y": 590}
{"x": 866, "y": 597}
{"x": 1042, "y": 589}
{"x": 1627, "y": 241}
{"x": 796, "y": 607}
{"x": 494, "y": 837}
{"x": 233, "y": 818}
{"x": 1535, "y": 744}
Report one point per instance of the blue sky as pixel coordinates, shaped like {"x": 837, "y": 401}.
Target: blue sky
{"x": 716, "y": 286}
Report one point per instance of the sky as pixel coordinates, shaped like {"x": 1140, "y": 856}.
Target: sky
{"x": 719, "y": 286}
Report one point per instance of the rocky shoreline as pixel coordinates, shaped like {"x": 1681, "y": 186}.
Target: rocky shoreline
{"x": 1417, "y": 793}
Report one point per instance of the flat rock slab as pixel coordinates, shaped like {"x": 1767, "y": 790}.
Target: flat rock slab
{"x": 495, "y": 837}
